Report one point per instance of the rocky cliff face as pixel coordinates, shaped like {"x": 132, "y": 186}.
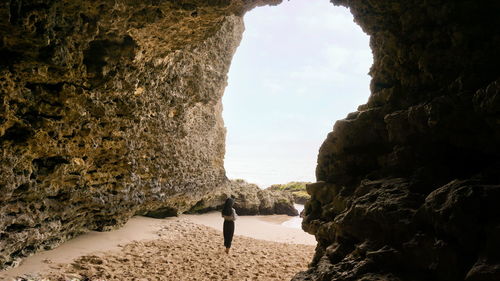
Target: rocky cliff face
{"x": 408, "y": 185}
{"x": 113, "y": 108}
{"x": 109, "y": 108}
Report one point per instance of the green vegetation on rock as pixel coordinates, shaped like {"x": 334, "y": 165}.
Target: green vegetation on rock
{"x": 296, "y": 188}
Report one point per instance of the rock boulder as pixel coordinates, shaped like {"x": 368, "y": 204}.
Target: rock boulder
{"x": 249, "y": 200}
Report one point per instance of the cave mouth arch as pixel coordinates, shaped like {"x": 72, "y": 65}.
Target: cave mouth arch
{"x": 300, "y": 66}
{"x": 432, "y": 118}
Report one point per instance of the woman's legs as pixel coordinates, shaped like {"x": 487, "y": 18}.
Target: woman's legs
{"x": 228, "y": 231}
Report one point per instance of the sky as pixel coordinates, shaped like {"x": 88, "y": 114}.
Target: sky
{"x": 300, "y": 66}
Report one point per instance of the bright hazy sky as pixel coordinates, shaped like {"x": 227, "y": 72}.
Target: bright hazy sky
{"x": 301, "y": 66}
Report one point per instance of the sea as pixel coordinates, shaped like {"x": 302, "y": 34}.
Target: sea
{"x": 295, "y": 222}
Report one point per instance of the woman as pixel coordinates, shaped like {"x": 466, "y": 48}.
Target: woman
{"x": 229, "y": 215}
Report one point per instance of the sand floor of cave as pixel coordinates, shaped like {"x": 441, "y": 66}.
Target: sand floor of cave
{"x": 155, "y": 249}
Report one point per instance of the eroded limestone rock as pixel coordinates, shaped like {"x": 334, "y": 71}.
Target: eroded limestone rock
{"x": 249, "y": 200}
{"x": 109, "y": 108}
{"x": 408, "y": 185}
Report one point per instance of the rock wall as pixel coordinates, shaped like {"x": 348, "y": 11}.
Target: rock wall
{"x": 408, "y": 186}
{"x": 112, "y": 108}
{"x": 109, "y": 108}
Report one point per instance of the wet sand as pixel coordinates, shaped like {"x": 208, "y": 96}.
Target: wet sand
{"x": 184, "y": 248}
{"x": 268, "y": 228}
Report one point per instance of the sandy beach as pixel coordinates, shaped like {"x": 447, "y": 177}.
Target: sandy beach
{"x": 188, "y": 247}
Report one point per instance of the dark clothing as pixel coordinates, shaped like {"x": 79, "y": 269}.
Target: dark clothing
{"x": 227, "y": 210}
{"x": 228, "y": 230}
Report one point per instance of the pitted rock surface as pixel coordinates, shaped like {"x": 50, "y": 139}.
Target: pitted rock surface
{"x": 113, "y": 108}
{"x": 408, "y": 185}
{"x": 109, "y": 109}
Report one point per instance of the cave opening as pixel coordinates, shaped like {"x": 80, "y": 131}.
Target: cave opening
{"x": 300, "y": 66}
{"x": 112, "y": 110}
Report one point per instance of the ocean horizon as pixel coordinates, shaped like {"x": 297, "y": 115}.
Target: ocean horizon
{"x": 265, "y": 165}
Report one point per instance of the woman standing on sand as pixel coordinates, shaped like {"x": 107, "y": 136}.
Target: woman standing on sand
{"x": 229, "y": 215}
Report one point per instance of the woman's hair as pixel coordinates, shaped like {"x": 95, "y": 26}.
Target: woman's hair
{"x": 227, "y": 210}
